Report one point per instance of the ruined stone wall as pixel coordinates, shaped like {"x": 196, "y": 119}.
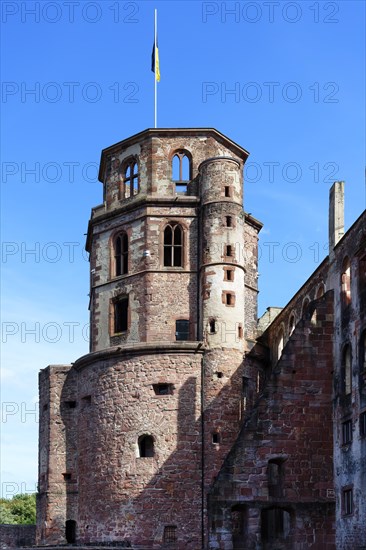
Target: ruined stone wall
{"x": 292, "y": 507}
{"x": 17, "y": 536}
{"x": 57, "y": 453}
{"x": 285, "y": 322}
{"x": 350, "y": 404}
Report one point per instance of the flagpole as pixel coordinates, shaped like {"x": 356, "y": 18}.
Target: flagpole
{"x": 155, "y": 81}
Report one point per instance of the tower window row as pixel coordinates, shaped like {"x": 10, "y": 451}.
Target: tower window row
{"x": 181, "y": 174}
{"x": 173, "y": 248}
{"x": 173, "y": 251}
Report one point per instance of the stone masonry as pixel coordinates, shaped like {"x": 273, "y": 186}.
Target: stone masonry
{"x": 186, "y": 426}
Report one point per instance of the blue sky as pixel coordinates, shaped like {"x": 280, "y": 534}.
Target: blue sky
{"x": 283, "y": 79}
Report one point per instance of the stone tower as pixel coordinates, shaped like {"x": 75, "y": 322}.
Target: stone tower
{"x": 133, "y": 434}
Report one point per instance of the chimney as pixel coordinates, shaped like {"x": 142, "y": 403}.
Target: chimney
{"x": 336, "y": 214}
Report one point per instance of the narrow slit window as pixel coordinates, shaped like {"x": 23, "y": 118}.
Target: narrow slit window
{"x": 363, "y": 424}
{"x": 227, "y": 190}
{"x": 229, "y": 221}
{"x": 240, "y": 332}
{"x": 215, "y": 438}
{"x": 229, "y": 250}
{"x": 212, "y": 326}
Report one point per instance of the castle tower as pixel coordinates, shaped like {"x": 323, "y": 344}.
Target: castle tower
{"x": 156, "y": 403}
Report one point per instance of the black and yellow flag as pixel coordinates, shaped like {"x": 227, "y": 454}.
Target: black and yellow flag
{"x": 155, "y": 62}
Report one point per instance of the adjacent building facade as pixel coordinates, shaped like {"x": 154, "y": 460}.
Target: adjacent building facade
{"x": 187, "y": 426}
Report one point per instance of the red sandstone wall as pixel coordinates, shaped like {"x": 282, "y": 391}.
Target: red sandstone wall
{"x": 287, "y": 422}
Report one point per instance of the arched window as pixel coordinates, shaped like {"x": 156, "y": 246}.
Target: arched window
{"x": 305, "y": 306}
{"x": 320, "y": 291}
{"x": 346, "y": 283}
{"x": 173, "y": 245}
{"x": 275, "y": 475}
{"x": 131, "y": 185}
{"x": 146, "y": 446}
{"x": 292, "y": 324}
{"x": 181, "y": 171}
{"x": 280, "y": 343}
{"x": 121, "y": 254}
{"x": 347, "y": 370}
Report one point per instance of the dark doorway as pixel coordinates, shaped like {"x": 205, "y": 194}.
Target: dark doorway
{"x": 70, "y": 531}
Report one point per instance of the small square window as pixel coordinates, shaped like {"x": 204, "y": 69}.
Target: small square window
{"x": 229, "y": 274}
{"x": 170, "y": 533}
{"x": 347, "y": 502}
{"x": 163, "y": 389}
{"x": 229, "y": 299}
{"x": 347, "y": 432}
{"x": 67, "y": 476}
{"x": 70, "y": 404}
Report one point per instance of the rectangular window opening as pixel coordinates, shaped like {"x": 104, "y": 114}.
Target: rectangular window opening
{"x": 163, "y": 389}
{"x": 229, "y": 250}
{"x": 212, "y": 326}
{"x": 170, "y": 533}
{"x": 229, "y": 221}
{"x": 70, "y": 404}
{"x": 363, "y": 424}
{"x": 347, "y": 432}
{"x": 67, "y": 476}
{"x": 227, "y": 191}
{"x": 121, "y": 315}
{"x": 347, "y": 497}
{"x": 181, "y": 188}
{"x": 215, "y": 438}
{"x": 86, "y": 399}
{"x": 182, "y": 330}
{"x": 240, "y": 332}
{"x": 229, "y": 299}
